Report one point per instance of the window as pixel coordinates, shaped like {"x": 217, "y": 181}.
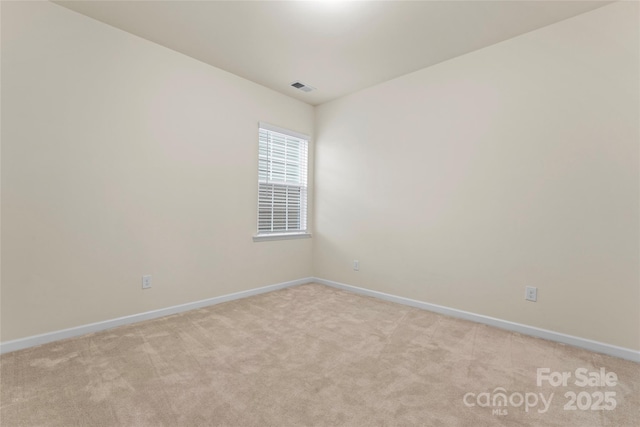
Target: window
{"x": 282, "y": 183}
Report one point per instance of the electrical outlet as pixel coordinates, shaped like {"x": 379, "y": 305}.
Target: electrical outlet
{"x": 356, "y": 265}
{"x": 146, "y": 281}
{"x": 531, "y": 293}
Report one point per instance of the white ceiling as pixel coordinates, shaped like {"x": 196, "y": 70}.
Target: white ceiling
{"x": 336, "y": 47}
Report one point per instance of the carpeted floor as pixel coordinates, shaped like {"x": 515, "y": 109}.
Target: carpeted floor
{"x": 313, "y": 356}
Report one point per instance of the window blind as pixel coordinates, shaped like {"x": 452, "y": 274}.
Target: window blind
{"x": 282, "y": 181}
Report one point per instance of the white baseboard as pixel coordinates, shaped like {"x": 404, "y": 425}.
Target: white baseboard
{"x": 35, "y": 340}
{"x": 598, "y": 347}
{"x": 32, "y": 341}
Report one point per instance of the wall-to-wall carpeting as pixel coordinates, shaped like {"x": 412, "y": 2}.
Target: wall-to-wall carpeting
{"x": 313, "y": 356}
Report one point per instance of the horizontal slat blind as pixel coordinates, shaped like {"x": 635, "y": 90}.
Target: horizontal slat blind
{"x": 282, "y": 182}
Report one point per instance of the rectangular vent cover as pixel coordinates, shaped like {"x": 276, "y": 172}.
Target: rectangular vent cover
{"x": 303, "y": 87}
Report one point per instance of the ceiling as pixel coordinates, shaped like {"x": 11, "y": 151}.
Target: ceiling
{"x": 338, "y": 47}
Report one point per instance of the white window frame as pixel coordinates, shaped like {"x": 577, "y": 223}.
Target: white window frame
{"x": 265, "y": 180}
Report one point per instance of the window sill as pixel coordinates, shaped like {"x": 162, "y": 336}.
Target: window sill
{"x": 280, "y": 236}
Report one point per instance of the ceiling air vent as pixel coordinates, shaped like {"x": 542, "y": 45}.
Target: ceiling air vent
{"x": 303, "y": 87}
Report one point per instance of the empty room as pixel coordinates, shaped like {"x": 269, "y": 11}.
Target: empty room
{"x": 320, "y": 213}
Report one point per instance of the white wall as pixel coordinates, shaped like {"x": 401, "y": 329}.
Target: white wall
{"x": 514, "y": 165}
{"x": 122, "y": 158}
{"x": 456, "y": 185}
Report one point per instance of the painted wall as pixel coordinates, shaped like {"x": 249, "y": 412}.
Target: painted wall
{"x": 514, "y": 165}
{"x": 456, "y": 185}
{"x": 122, "y": 158}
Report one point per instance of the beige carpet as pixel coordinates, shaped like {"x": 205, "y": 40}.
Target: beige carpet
{"x": 309, "y": 356}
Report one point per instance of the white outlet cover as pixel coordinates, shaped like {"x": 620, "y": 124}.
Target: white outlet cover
{"x": 531, "y": 293}
{"x": 146, "y": 281}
